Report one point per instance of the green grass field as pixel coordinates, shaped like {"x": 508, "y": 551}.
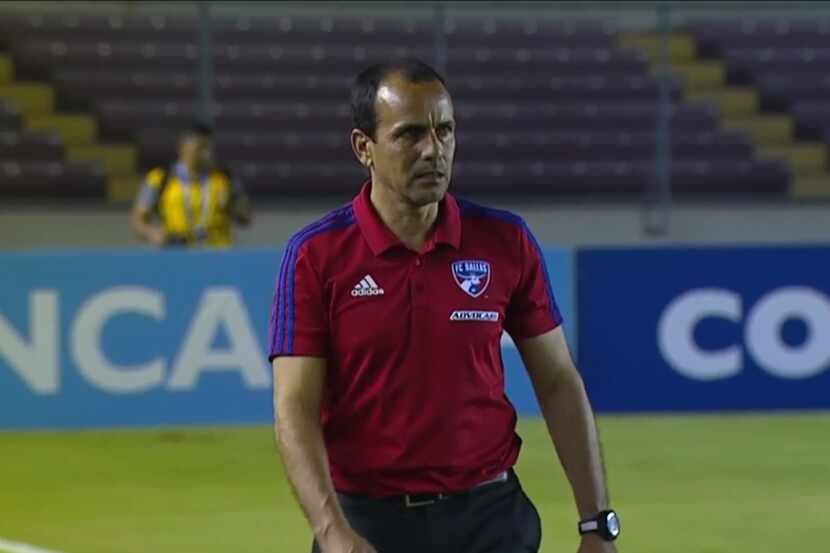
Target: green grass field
{"x": 682, "y": 484}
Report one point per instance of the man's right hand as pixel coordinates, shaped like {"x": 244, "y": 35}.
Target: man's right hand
{"x": 157, "y": 236}
{"x": 346, "y": 541}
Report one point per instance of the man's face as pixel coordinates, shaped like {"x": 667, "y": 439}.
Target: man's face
{"x": 196, "y": 150}
{"x": 413, "y": 150}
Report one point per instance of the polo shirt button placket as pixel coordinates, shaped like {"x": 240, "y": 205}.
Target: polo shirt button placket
{"x": 419, "y": 285}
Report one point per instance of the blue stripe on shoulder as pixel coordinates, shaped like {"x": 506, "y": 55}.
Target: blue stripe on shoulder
{"x": 471, "y": 209}
{"x": 283, "y": 339}
{"x": 475, "y": 210}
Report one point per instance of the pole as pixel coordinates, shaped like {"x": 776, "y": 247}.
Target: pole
{"x": 440, "y": 37}
{"x": 205, "y": 64}
{"x": 658, "y": 199}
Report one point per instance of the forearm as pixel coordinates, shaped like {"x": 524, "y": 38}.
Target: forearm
{"x": 570, "y": 421}
{"x": 300, "y": 442}
{"x": 242, "y": 211}
{"x": 145, "y": 229}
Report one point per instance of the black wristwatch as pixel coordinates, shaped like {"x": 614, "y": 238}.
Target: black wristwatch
{"x": 606, "y": 524}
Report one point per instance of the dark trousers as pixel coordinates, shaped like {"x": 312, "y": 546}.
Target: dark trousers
{"x": 495, "y": 518}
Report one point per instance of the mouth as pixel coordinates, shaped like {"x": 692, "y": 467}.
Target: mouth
{"x": 431, "y": 174}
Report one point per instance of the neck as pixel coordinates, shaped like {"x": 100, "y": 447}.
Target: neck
{"x": 190, "y": 168}
{"x": 410, "y": 224}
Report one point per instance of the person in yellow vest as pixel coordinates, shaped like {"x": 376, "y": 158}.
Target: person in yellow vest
{"x": 196, "y": 201}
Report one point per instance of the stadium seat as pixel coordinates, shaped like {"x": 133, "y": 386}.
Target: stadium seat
{"x": 131, "y": 83}
{"x": 300, "y": 178}
{"x": 812, "y": 119}
{"x": 35, "y": 57}
{"x": 779, "y": 93}
{"x": 744, "y": 64}
{"x": 608, "y": 146}
{"x": 561, "y": 89}
{"x": 80, "y": 88}
{"x": 526, "y": 32}
{"x": 67, "y": 27}
{"x": 625, "y": 178}
{"x": 31, "y": 146}
{"x": 156, "y": 146}
{"x": 120, "y": 119}
{"x": 52, "y": 179}
{"x": 543, "y": 106}
{"x": 609, "y": 116}
{"x": 714, "y": 37}
{"x": 297, "y": 29}
{"x": 123, "y": 119}
{"x": 9, "y": 117}
{"x": 741, "y": 180}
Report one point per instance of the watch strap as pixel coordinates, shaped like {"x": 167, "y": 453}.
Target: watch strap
{"x": 590, "y": 525}
{"x": 599, "y": 525}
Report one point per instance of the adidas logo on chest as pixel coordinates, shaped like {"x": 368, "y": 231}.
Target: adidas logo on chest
{"x": 367, "y": 287}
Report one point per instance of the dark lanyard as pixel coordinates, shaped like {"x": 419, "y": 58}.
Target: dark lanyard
{"x": 187, "y": 202}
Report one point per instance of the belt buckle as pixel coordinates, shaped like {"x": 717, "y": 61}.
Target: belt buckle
{"x": 501, "y": 477}
{"x": 410, "y": 503}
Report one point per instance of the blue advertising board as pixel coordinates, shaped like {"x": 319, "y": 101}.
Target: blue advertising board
{"x": 145, "y": 338}
{"x": 141, "y": 338}
{"x": 700, "y": 329}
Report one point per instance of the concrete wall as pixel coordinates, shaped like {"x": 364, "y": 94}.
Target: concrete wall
{"x": 101, "y": 227}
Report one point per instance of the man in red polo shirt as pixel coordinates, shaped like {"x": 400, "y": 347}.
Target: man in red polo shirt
{"x": 391, "y": 417}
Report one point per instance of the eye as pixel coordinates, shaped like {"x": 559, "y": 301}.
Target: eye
{"x": 445, "y": 131}
{"x": 410, "y": 135}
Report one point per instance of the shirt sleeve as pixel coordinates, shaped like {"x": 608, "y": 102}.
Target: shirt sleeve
{"x": 298, "y": 324}
{"x": 148, "y": 195}
{"x": 532, "y": 309}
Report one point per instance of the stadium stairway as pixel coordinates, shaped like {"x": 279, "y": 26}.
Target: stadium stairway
{"x": 739, "y": 106}
{"x": 77, "y": 132}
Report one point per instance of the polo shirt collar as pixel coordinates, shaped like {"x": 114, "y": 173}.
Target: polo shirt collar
{"x": 184, "y": 176}
{"x": 447, "y": 228}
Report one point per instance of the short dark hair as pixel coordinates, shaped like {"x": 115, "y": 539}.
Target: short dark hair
{"x": 199, "y": 128}
{"x": 365, "y": 88}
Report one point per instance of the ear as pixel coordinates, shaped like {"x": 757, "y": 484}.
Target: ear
{"x": 362, "y": 147}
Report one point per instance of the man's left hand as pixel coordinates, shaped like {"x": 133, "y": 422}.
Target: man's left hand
{"x": 591, "y": 543}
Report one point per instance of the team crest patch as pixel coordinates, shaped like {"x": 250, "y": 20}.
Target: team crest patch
{"x": 471, "y": 276}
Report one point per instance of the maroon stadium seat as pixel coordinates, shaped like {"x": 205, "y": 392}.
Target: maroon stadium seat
{"x": 9, "y": 116}
{"x": 30, "y": 146}
{"x": 713, "y": 38}
{"x": 543, "y": 106}
{"x": 51, "y": 179}
{"x": 526, "y": 32}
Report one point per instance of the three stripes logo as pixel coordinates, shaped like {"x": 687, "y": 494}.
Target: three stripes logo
{"x": 367, "y": 287}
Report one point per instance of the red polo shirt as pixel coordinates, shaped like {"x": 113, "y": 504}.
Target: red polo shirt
{"x": 414, "y": 397}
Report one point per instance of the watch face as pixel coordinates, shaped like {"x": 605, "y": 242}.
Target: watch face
{"x": 613, "y": 524}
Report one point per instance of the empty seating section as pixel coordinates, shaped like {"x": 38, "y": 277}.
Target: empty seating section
{"x": 788, "y": 62}
{"x": 52, "y": 179}
{"x": 79, "y": 88}
{"x": 30, "y": 146}
{"x": 32, "y": 164}
{"x": 546, "y": 107}
{"x": 9, "y": 116}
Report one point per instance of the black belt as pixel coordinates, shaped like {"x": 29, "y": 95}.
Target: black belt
{"x": 424, "y": 499}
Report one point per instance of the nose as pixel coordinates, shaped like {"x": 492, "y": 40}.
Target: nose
{"x": 433, "y": 148}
